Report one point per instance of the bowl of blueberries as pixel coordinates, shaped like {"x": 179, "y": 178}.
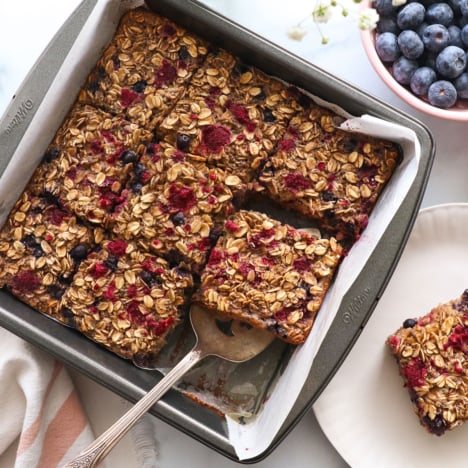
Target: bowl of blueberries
{"x": 420, "y": 50}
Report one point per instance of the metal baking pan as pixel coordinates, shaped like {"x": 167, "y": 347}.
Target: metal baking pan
{"x": 357, "y": 305}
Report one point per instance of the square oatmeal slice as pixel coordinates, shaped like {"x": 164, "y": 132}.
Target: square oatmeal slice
{"x": 268, "y": 275}
{"x": 89, "y": 162}
{"x": 145, "y": 68}
{"x": 127, "y": 300}
{"x": 231, "y": 114}
{"x": 41, "y": 245}
{"x": 175, "y": 205}
{"x": 329, "y": 175}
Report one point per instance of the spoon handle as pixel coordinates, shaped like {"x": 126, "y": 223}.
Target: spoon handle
{"x": 97, "y": 450}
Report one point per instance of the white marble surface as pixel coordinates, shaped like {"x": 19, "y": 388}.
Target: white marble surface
{"x": 25, "y": 28}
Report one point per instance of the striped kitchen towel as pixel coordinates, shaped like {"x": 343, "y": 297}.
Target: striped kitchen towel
{"x": 43, "y": 424}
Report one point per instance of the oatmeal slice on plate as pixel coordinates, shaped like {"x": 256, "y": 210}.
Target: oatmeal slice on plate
{"x": 431, "y": 353}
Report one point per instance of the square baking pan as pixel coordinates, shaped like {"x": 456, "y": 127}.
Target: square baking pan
{"x": 198, "y": 421}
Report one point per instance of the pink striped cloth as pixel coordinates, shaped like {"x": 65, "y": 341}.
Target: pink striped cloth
{"x": 42, "y": 423}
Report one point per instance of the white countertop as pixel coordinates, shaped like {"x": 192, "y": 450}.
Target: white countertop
{"x": 26, "y": 26}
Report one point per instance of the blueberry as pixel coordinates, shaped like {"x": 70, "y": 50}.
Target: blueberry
{"x": 140, "y": 86}
{"x": 112, "y": 262}
{"x": 79, "y": 252}
{"x": 455, "y": 5}
{"x": 329, "y": 196}
{"x": 38, "y": 252}
{"x": 128, "y": 157}
{"x": 268, "y": 115}
{"x": 442, "y": 94}
{"x": 409, "y": 323}
{"x": 403, "y": 70}
{"x": 139, "y": 169}
{"x": 410, "y": 44}
{"x": 436, "y": 426}
{"x": 261, "y": 96}
{"x": 68, "y": 316}
{"x": 421, "y": 80}
{"x": 385, "y": 7}
{"x": 439, "y": 13}
{"x": 136, "y": 186}
{"x": 149, "y": 278}
{"x": 240, "y": 69}
{"x": 455, "y": 36}
{"x": 435, "y": 37}
{"x": 411, "y": 16}
{"x": 387, "y": 48}
{"x": 116, "y": 62}
{"x": 55, "y": 292}
{"x": 451, "y": 62}
{"x": 146, "y": 276}
{"x": 463, "y": 5}
{"x": 30, "y": 240}
{"x": 183, "y": 141}
{"x": 51, "y": 154}
{"x": 461, "y": 85}
{"x": 65, "y": 279}
{"x": 464, "y": 297}
{"x": 174, "y": 257}
{"x": 178, "y": 219}
{"x": 215, "y": 232}
{"x": 183, "y": 54}
{"x": 387, "y": 24}
{"x": 464, "y": 36}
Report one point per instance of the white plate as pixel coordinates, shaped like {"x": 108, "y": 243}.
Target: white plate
{"x": 365, "y": 411}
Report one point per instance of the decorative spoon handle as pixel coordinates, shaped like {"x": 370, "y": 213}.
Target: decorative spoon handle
{"x": 96, "y": 451}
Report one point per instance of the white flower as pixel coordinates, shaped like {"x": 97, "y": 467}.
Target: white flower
{"x": 297, "y": 33}
{"x": 322, "y": 12}
{"x": 368, "y": 19}
{"x": 397, "y": 3}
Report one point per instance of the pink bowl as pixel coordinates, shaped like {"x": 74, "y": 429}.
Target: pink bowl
{"x": 459, "y": 112}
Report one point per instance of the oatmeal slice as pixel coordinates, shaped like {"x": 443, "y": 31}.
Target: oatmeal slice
{"x": 175, "y": 205}
{"x": 431, "y": 353}
{"x": 269, "y": 275}
{"x": 232, "y": 115}
{"x": 328, "y": 174}
{"x": 127, "y": 300}
{"x": 145, "y": 68}
{"x": 41, "y": 246}
{"x": 89, "y": 161}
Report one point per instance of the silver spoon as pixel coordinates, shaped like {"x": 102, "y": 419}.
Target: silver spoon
{"x": 240, "y": 344}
